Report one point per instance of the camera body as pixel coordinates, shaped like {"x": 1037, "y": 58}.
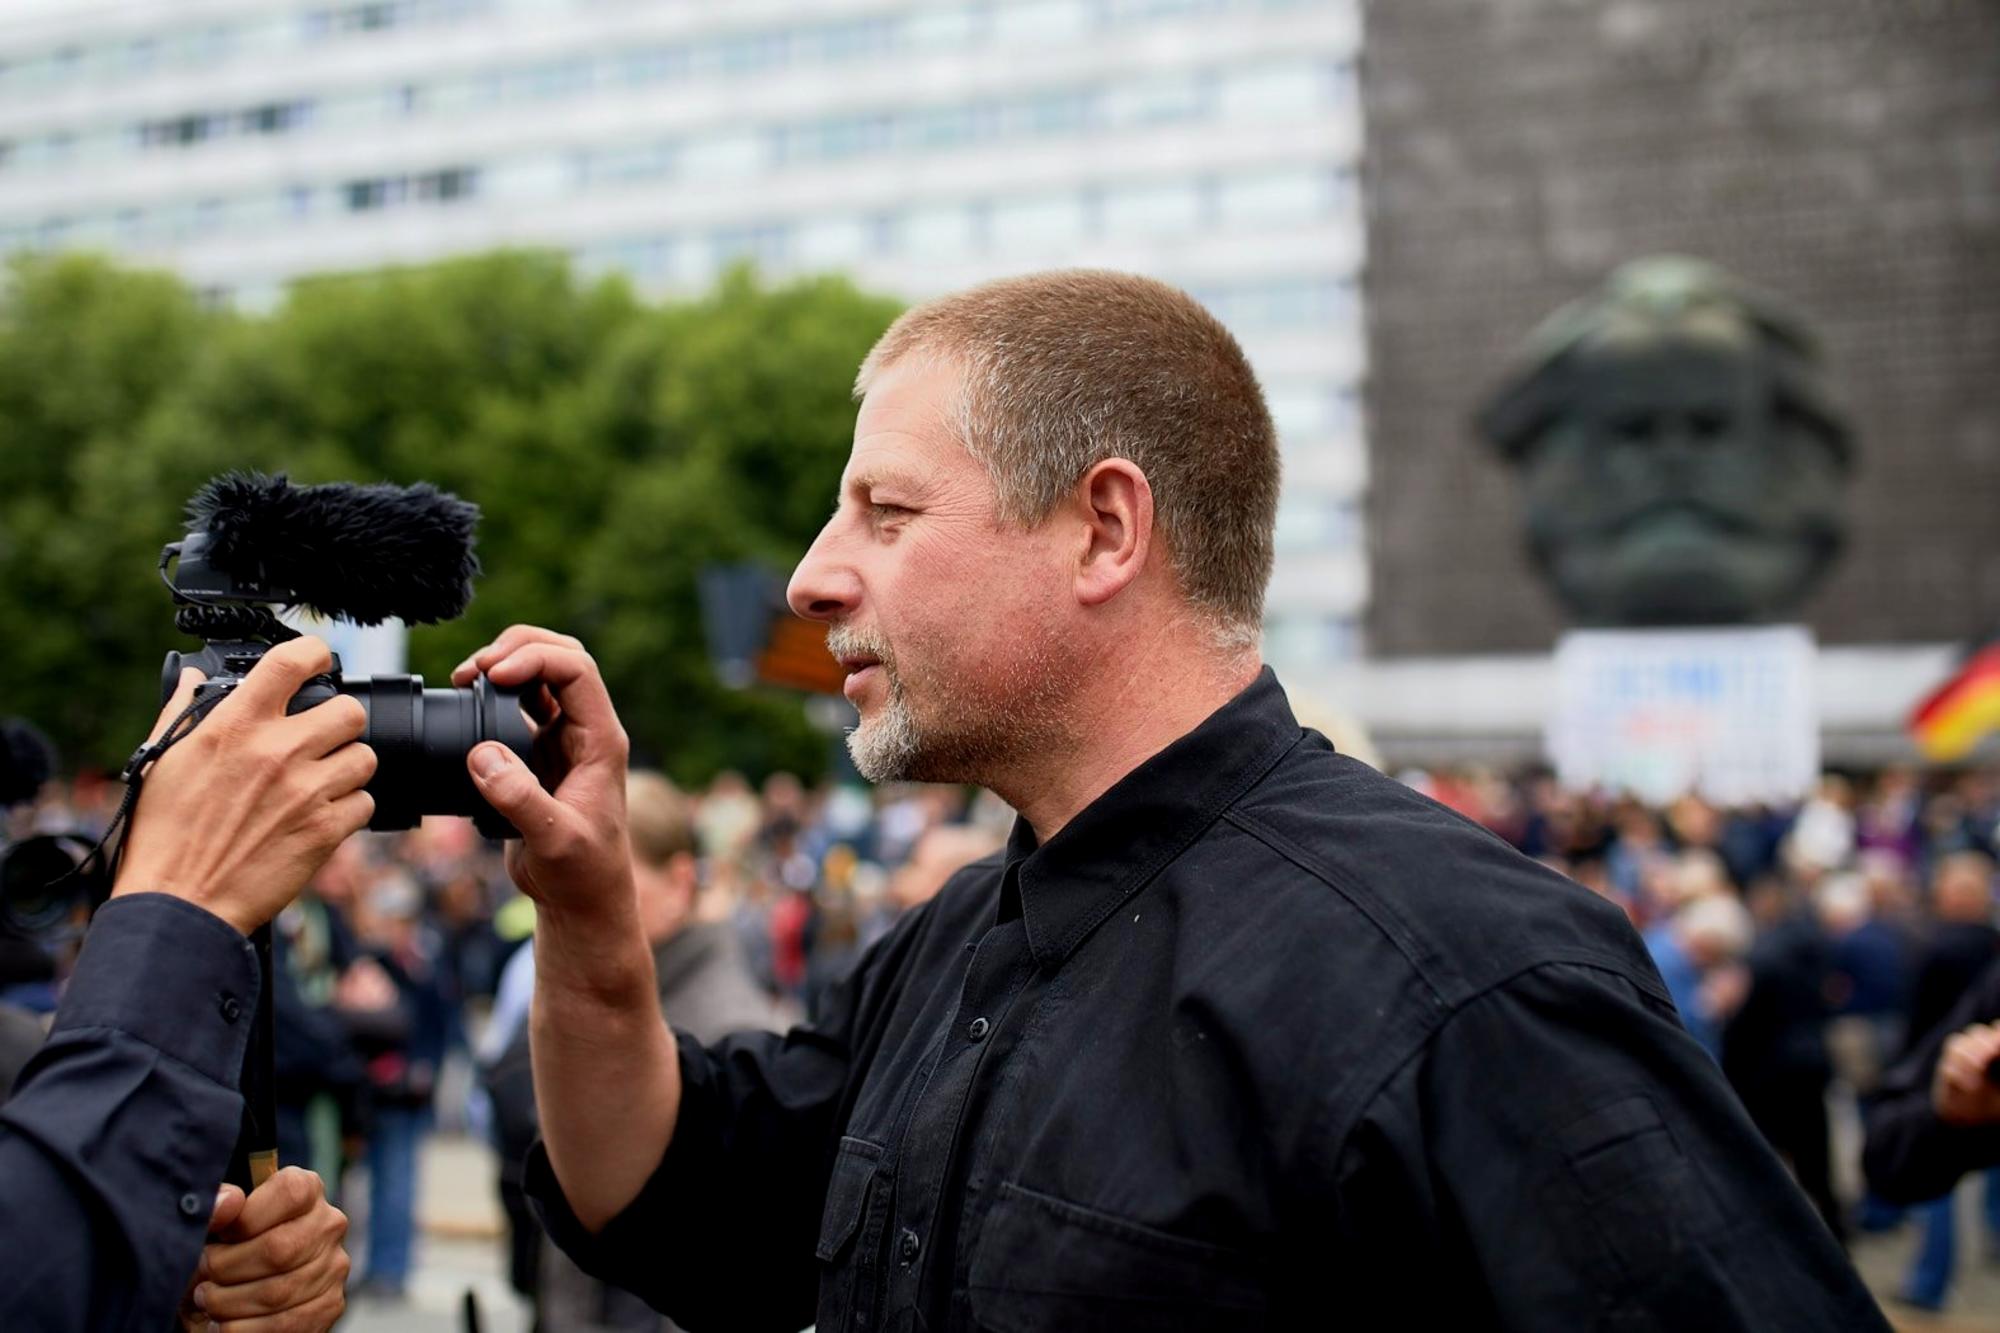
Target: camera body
{"x": 359, "y": 553}
{"x": 420, "y": 736}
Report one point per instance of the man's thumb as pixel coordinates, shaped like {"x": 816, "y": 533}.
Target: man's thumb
{"x": 229, "y": 1202}
{"x": 507, "y": 782}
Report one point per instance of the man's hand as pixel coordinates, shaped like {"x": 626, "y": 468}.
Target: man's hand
{"x": 238, "y": 815}
{"x": 573, "y": 857}
{"x": 607, "y": 1082}
{"x": 1961, "y": 1094}
{"x": 275, "y": 1263}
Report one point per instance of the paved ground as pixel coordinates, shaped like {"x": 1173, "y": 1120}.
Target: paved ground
{"x": 459, "y": 1250}
{"x": 1974, "y": 1303}
{"x": 460, "y": 1253}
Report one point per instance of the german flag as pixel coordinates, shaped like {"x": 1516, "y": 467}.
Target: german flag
{"x": 1962, "y": 711}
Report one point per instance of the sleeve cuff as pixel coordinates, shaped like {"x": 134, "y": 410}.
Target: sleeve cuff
{"x": 164, "y": 971}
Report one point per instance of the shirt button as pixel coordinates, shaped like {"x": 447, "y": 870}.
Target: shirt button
{"x": 907, "y": 1247}
{"x": 190, "y": 1204}
{"x": 231, "y": 1010}
{"x": 978, "y": 1029}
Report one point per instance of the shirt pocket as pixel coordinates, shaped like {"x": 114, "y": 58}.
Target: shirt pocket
{"x": 1634, "y": 1202}
{"x": 1045, "y": 1263}
{"x": 844, "y": 1285}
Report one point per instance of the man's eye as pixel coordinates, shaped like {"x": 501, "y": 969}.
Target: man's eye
{"x": 886, "y": 511}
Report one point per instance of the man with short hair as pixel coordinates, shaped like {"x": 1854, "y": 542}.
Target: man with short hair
{"x": 1233, "y": 1033}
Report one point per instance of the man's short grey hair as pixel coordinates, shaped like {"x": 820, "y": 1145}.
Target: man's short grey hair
{"x": 1063, "y": 370}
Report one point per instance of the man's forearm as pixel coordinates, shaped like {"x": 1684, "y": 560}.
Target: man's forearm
{"x": 607, "y": 1077}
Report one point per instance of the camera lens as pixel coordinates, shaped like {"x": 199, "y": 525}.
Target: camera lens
{"x": 41, "y": 893}
{"x": 421, "y": 738}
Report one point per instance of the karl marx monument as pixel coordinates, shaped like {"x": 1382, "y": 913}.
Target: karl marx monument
{"x": 1681, "y": 457}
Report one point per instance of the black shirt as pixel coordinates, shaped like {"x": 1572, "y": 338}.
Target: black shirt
{"x": 1260, "y": 1039}
{"x": 119, "y": 1131}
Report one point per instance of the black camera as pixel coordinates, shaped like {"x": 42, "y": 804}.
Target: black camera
{"x": 358, "y": 553}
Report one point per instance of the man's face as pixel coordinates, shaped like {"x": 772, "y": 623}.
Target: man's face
{"x": 958, "y": 628}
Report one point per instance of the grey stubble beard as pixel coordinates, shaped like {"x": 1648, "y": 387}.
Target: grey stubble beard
{"x": 966, "y": 741}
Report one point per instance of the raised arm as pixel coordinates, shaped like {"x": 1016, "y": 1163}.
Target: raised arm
{"x": 1935, "y": 1119}
{"x": 606, "y": 1079}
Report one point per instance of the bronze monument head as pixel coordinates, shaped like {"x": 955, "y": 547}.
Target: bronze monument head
{"x": 1682, "y": 459}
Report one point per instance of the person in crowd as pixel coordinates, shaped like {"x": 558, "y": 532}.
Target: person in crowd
{"x": 1699, "y": 951}
{"x": 114, "y": 1142}
{"x": 1774, "y": 1044}
{"x": 394, "y": 1006}
{"x": 318, "y": 1073}
{"x": 1231, "y": 1024}
{"x": 1871, "y": 959}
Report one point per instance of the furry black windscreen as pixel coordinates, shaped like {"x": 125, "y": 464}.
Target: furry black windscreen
{"x": 350, "y": 552}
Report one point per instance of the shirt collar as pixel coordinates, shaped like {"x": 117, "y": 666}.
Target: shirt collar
{"x": 1104, "y": 855}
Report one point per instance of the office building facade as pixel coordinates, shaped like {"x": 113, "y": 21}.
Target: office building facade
{"x": 919, "y": 147}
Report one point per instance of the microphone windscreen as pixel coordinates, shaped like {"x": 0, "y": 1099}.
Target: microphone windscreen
{"x": 350, "y": 552}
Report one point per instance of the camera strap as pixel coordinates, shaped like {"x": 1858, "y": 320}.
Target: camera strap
{"x": 134, "y": 775}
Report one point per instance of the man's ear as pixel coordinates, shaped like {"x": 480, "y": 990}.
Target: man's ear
{"x": 1116, "y": 504}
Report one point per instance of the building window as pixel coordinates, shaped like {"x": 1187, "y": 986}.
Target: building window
{"x": 1164, "y": 209}
{"x": 1044, "y": 21}
{"x": 366, "y": 195}
{"x": 1317, "y": 523}
{"x": 431, "y": 187}
{"x": 1162, "y": 101}
{"x": 658, "y": 64}
{"x": 832, "y": 242}
{"x": 453, "y": 183}
{"x": 1275, "y": 198}
{"x": 943, "y": 232}
{"x": 854, "y": 39}
{"x": 1309, "y": 640}
{"x": 1274, "y": 91}
{"x": 746, "y": 53}
{"x": 1038, "y": 225}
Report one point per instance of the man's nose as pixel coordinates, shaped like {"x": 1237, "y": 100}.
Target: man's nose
{"x": 823, "y": 587}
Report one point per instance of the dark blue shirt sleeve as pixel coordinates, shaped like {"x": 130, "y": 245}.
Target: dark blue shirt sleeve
{"x": 120, "y": 1129}
{"x": 1910, "y": 1155}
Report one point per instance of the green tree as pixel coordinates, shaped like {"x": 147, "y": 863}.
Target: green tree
{"x": 615, "y": 448}
{"x": 740, "y": 409}
{"x": 88, "y": 352}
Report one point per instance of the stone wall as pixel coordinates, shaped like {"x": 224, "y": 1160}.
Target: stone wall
{"x": 1844, "y": 154}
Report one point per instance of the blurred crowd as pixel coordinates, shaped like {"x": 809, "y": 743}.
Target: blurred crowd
{"x": 1806, "y": 947}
